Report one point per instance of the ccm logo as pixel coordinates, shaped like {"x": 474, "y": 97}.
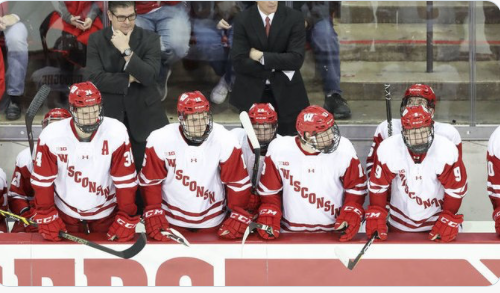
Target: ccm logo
{"x": 495, "y": 217}
{"x": 372, "y": 215}
{"x": 47, "y": 220}
{"x": 449, "y": 223}
{"x": 240, "y": 218}
{"x": 154, "y": 212}
{"x": 125, "y": 224}
{"x": 268, "y": 212}
{"x": 353, "y": 209}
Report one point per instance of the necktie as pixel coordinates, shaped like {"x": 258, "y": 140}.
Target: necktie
{"x": 268, "y": 26}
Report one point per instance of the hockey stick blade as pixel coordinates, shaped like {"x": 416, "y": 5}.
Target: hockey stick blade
{"x": 127, "y": 253}
{"x": 350, "y": 264}
{"x": 176, "y": 236}
{"x": 33, "y": 108}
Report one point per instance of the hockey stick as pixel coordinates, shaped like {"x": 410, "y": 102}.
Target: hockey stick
{"x": 350, "y": 264}
{"x": 176, "y": 236}
{"x": 251, "y": 228}
{"x": 247, "y": 125}
{"x": 387, "y": 88}
{"x": 35, "y": 105}
{"x": 127, "y": 253}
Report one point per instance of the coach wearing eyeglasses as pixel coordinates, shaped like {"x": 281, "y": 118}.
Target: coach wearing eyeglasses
{"x": 123, "y": 61}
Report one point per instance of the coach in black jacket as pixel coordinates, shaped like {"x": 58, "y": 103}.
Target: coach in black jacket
{"x": 130, "y": 92}
{"x": 260, "y": 61}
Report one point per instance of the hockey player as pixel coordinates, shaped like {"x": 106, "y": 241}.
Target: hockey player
{"x": 3, "y": 200}
{"x": 264, "y": 120}
{"x": 417, "y": 94}
{"x": 427, "y": 179}
{"x": 20, "y": 192}
{"x": 192, "y": 172}
{"x": 493, "y": 162}
{"x": 314, "y": 180}
{"x": 84, "y": 176}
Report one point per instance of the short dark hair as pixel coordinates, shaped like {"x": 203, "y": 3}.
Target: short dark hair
{"x": 113, "y": 5}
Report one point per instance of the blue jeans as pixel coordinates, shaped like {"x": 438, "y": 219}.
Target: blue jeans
{"x": 324, "y": 41}
{"x": 17, "y": 58}
{"x": 172, "y": 24}
{"x": 210, "y": 48}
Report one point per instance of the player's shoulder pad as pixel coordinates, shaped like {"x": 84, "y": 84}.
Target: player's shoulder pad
{"x": 443, "y": 150}
{"x": 114, "y": 127}
{"x": 280, "y": 143}
{"x": 165, "y": 135}
{"x": 494, "y": 143}
{"x": 239, "y": 133}
{"x": 449, "y": 131}
{"x": 224, "y": 137}
{"x": 391, "y": 148}
{"x": 24, "y": 159}
{"x": 53, "y": 131}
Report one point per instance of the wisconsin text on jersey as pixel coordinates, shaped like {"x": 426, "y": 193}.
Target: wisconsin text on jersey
{"x": 426, "y": 203}
{"x": 320, "y": 202}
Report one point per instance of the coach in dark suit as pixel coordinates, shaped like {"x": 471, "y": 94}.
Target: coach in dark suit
{"x": 268, "y": 52}
{"x": 123, "y": 62}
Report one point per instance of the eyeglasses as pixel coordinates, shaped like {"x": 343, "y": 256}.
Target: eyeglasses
{"x": 121, "y": 18}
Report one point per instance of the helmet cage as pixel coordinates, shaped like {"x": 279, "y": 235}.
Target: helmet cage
{"x": 87, "y": 121}
{"x": 418, "y": 140}
{"x": 189, "y": 123}
{"x": 326, "y": 141}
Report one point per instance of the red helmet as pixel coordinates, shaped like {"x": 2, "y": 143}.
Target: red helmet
{"x": 422, "y": 91}
{"x": 192, "y": 103}
{"x": 84, "y": 94}
{"x": 315, "y": 120}
{"x": 261, "y": 113}
{"x": 55, "y": 115}
{"x": 416, "y": 117}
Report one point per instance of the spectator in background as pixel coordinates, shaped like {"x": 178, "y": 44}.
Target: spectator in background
{"x": 80, "y": 19}
{"x": 170, "y": 20}
{"x": 267, "y": 54}
{"x": 12, "y": 18}
{"x": 323, "y": 38}
{"x": 123, "y": 61}
{"x": 213, "y": 37}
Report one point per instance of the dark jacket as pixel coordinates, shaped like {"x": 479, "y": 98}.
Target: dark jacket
{"x": 283, "y": 50}
{"x": 140, "y": 102}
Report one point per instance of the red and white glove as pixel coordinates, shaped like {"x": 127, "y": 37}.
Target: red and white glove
{"x": 123, "y": 228}
{"x": 269, "y": 216}
{"x": 350, "y": 216}
{"x": 28, "y": 214}
{"x": 376, "y": 218}
{"x": 254, "y": 202}
{"x": 236, "y": 224}
{"x": 49, "y": 224}
{"x": 446, "y": 227}
{"x": 156, "y": 222}
{"x": 496, "y": 218}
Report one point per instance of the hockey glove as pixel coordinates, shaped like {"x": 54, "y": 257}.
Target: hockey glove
{"x": 496, "y": 218}
{"x": 270, "y": 216}
{"x": 236, "y": 224}
{"x": 28, "y": 214}
{"x": 49, "y": 224}
{"x": 253, "y": 203}
{"x": 156, "y": 222}
{"x": 446, "y": 227}
{"x": 350, "y": 216}
{"x": 123, "y": 228}
{"x": 376, "y": 218}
